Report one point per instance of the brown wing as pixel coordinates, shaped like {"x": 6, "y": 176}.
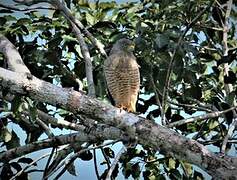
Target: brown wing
{"x": 123, "y": 80}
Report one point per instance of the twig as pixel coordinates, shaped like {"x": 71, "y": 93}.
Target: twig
{"x": 156, "y": 95}
{"x": 59, "y": 123}
{"x": 30, "y": 2}
{"x": 207, "y": 109}
{"x": 106, "y": 158}
{"x": 95, "y": 165}
{"x": 115, "y": 162}
{"x": 67, "y": 164}
{"x": 61, "y": 154}
{"x": 200, "y": 117}
{"x": 65, "y": 71}
{"x": 172, "y": 60}
{"x": 48, "y": 162}
{"x": 45, "y": 127}
{"x": 50, "y": 135}
{"x": 228, "y": 135}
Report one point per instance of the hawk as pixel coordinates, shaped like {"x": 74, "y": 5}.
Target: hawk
{"x": 122, "y": 75}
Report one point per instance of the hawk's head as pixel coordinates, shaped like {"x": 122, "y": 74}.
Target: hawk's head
{"x": 125, "y": 45}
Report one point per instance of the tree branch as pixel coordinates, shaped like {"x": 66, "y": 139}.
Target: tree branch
{"x": 14, "y": 61}
{"x": 14, "y": 8}
{"x": 228, "y": 87}
{"x": 62, "y": 7}
{"x": 229, "y": 134}
{"x": 115, "y": 162}
{"x": 101, "y": 132}
{"x": 88, "y": 60}
{"x": 45, "y": 127}
{"x": 200, "y": 117}
{"x": 148, "y": 132}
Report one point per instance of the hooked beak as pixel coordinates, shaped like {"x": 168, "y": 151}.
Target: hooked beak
{"x": 132, "y": 47}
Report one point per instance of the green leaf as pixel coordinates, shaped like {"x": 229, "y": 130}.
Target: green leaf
{"x": 2, "y": 21}
{"x": 16, "y": 166}
{"x": 10, "y": 18}
{"x": 198, "y": 175}
{"x": 86, "y": 156}
{"x": 172, "y": 163}
{"x": 106, "y": 6}
{"x": 90, "y": 19}
{"x": 71, "y": 169}
{"x": 109, "y": 152}
{"x": 127, "y": 170}
{"x": 193, "y": 92}
{"x": 175, "y": 174}
{"x": 24, "y": 21}
{"x": 188, "y": 168}
{"x": 16, "y": 103}
{"x": 14, "y": 142}
{"x": 161, "y": 40}
{"x": 135, "y": 170}
{"x": 26, "y": 160}
{"x": 6, "y": 135}
{"x": 69, "y": 38}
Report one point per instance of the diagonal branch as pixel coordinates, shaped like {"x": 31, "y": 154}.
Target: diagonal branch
{"x": 62, "y": 7}
{"x": 14, "y": 61}
{"x": 115, "y": 162}
{"x": 88, "y": 60}
{"x": 148, "y": 132}
{"x": 200, "y": 117}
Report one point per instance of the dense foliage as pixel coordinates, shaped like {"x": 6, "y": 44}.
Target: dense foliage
{"x": 190, "y": 34}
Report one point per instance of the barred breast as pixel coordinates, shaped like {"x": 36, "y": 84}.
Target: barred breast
{"x": 123, "y": 80}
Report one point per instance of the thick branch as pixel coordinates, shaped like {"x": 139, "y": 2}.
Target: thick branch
{"x": 14, "y": 8}
{"x": 101, "y": 133}
{"x": 14, "y": 61}
{"x": 149, "y": 133}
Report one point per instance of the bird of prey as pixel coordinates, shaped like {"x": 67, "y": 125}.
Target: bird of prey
{"x": 122, "y": 75}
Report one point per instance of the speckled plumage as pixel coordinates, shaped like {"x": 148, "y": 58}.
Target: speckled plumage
{"x": 122, "y": 75}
